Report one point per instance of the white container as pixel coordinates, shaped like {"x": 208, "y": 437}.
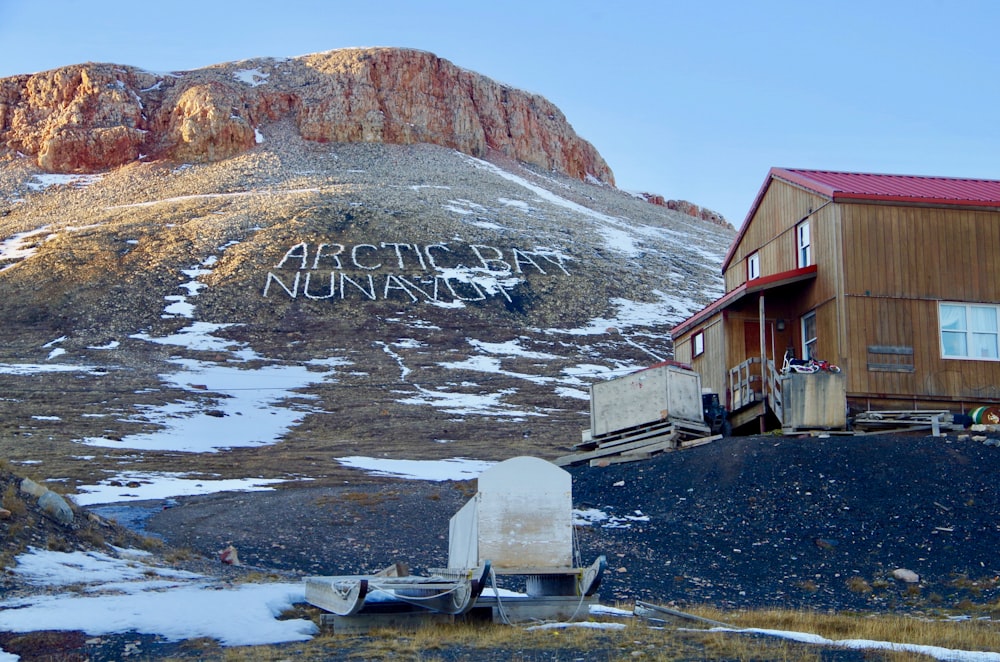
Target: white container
{"x": 645, "y": 397}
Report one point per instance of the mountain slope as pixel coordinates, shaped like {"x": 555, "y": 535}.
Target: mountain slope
{"x": 346, "y": 298}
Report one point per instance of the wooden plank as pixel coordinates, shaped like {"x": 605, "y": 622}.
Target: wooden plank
{"x": 700, "y": 442}
{"x": 885, "y": 412}
{"x": 619, "y": 459}
{"x": 646, "y": 452}
{"x": 689, "y": 427}
{"x": 890, "y": 367}
{"x": 646, "y": 609}
{"x": 576, "y": 458}
{"x": 654, "y": 448}
{"x": 840, "y": 433}
{"x": 655, "y": 432}
{"x": 626, "y": 435}
{"x": 890, "y": 349}
{"x": 908, "y": 428}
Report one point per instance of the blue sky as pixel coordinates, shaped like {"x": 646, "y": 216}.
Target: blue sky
{"x": 694, "y": 100}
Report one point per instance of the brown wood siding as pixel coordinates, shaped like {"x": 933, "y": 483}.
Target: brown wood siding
{"x": 711, "y": 365}
{"x": 826, "y": 257}
{"x": 771, "y": 231}
{"x": 922, "y": 253}
{"x": 899, "y": 263}
{"x": 911, "y": 323}
{"x": 682, "y": 349}
{"x": 826, "y": 333}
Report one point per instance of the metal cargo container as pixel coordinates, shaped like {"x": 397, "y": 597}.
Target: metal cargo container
{"x": 645, "y": 397}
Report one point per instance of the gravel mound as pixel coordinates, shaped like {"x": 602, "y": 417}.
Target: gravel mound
{"x": 802, "y": 522}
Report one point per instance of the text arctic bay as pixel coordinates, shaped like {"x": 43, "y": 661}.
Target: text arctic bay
{"x": 435, "y": 273}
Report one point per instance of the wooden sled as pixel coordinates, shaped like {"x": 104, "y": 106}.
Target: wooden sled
{"x": 347, "y": 595}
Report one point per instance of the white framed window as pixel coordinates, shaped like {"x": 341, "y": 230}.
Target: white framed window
{"x": 809, "y": 335}
{"x": 753, "y": 266}
{"x": 803, "y": 243}
{"x": 698, "y": 344}
{"x": 969, "y": 331}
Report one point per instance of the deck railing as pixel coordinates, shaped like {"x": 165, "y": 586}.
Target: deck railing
{"x": 746, "y": 386}
{"x": 774, "y": 399}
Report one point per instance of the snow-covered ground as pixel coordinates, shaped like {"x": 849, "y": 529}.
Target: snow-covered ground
{"x": 99, "y": 594}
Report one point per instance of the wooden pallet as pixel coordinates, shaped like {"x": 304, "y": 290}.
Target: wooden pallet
{"x": 638, "y": 443}
{"x": 618, "y": 446}
{"x": 902, "y": 421}
{"x": 589, "y": 442}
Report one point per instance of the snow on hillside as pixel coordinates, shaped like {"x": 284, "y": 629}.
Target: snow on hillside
{"x": 250, "y": 399}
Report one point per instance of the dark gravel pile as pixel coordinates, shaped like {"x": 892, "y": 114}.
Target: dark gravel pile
{"x": 804, "y": 522}
{"x": 743, "y": 522}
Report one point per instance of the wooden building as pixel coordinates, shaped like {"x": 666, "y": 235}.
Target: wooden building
{"x": 896, "y": 279}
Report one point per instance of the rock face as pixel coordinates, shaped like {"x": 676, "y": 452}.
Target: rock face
{"x": 688, "y": 208}
{"x": 91, "y": 117}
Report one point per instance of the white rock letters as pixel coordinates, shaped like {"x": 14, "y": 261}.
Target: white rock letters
{"x": 435, "y": 273}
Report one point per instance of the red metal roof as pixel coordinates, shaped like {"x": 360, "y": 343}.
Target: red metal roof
{"x": 897, "y": 188}
{"x": 859, "y": 186}
{"x": 751, "y": 286}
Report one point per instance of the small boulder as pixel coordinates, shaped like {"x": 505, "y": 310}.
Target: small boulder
{"x": 56, "y": 507}
{"x": 825, "y": 543}
{"x": 907, "y": 576}
{"x": 32, "y": 488}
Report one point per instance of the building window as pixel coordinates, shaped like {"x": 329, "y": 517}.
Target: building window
{"x": 804, "y": 244}
{"x": 698, "y": 344}
{"x": 753, "y": 266}
{"x": 809, "y": 335}
{"x": 969, "y": 331}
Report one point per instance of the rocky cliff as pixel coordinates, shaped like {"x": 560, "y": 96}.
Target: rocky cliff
{"x": 688, "y": 208}
{"x": 92, "y": 117}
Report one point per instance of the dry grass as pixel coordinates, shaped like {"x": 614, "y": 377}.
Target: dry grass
{"x": 808, "y": 585}
{"x": 13, "y": 502}
{"x": 467, "y": 488}
{"x": 92, "y": 535}
{"x": 369, "y": 498}
{"x": 178, "y": 554}
{"x": 57, "y": 543}
{"x": 961, "y": 635}
{"x": 637, "y": 641}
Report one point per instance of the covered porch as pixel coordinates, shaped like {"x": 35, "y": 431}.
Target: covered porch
{"x": 767, "y": 324}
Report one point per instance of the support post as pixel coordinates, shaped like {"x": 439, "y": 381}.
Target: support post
{"x": 763, "y": 361}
